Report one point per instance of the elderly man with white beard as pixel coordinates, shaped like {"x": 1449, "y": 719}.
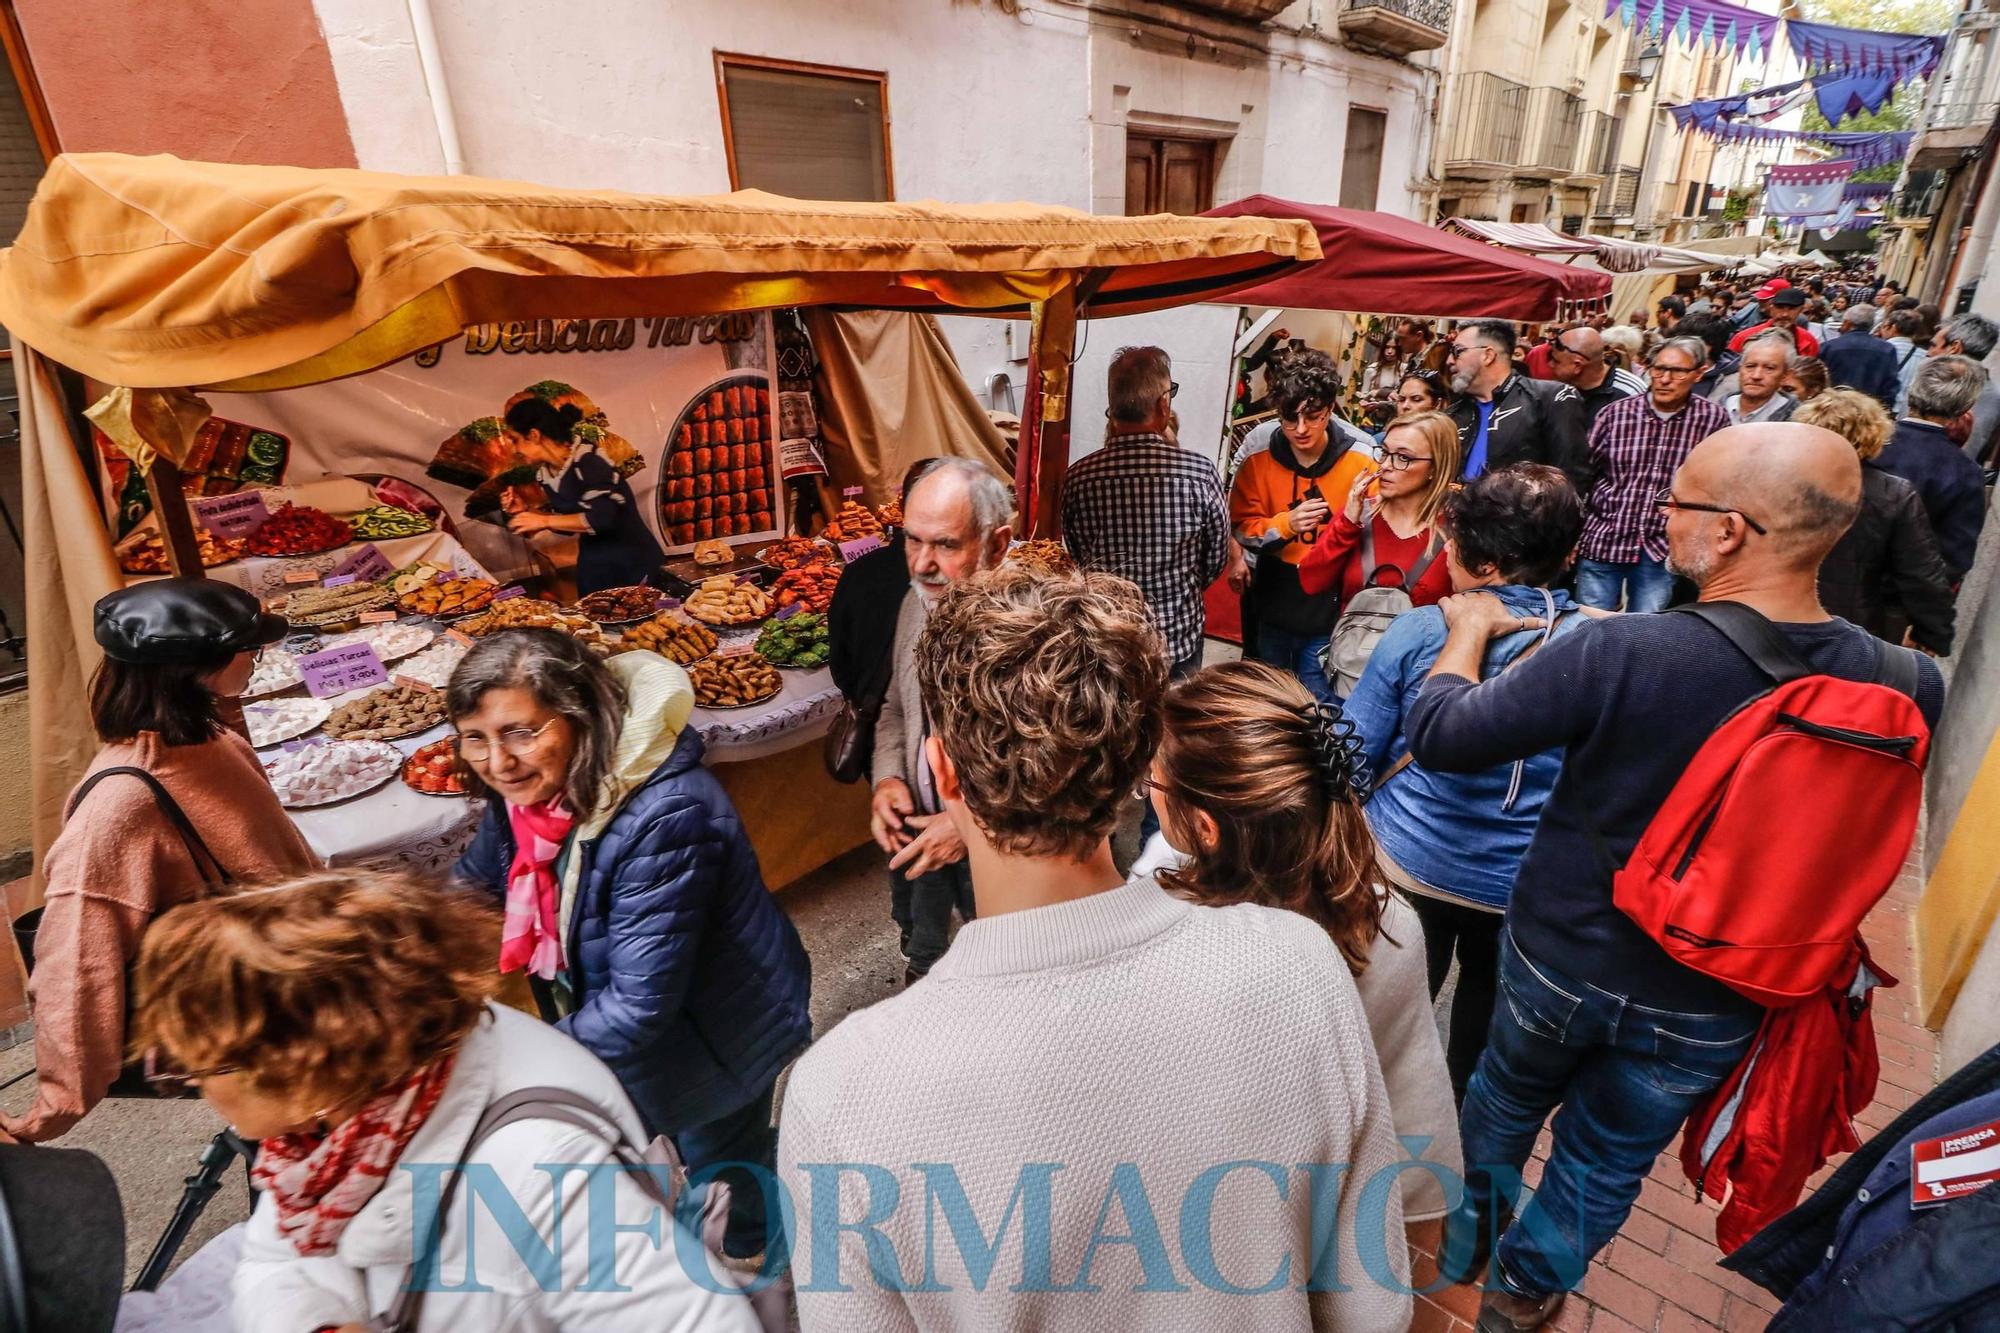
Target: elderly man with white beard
{"x": 957, "y": 520}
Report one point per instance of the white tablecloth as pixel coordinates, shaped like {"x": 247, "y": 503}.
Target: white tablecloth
{"x": 798, "y": 714}
{"x": 392, "y": 825}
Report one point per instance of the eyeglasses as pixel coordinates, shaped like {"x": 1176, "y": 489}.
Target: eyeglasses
{"x": 1397, "y": 461}
{"x": 1173, "y": 389}
{"x": 1459, "y": 349}
{"x": 515, "y": 743}
{"x": 1307, "y": 413}
{"x": 1665, "y": 500}
{"x": 152, "y": 1069}
{"x": 1676, "y": 372}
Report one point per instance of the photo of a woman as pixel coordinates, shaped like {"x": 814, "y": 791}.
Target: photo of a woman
{"x": 588, "y": 498}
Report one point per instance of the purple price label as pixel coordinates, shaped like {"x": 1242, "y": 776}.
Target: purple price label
{"x": 510, "y": 591}
{"x": 852, "y": 492}
{"x": 294, "y": 746}
{"x": 788, "y": 610}
{"x": 352, "y": 666}
{"x": 336, "y": 581}
{"x": 366, "y": 564}
{"x": 668, "y": 603}
{"x": 230, "y": 516}
{"x": 860, "y": 546}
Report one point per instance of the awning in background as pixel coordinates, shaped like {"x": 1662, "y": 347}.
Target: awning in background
{"x": 1383, "y": 264}
{"x": 153, "y": 272}
{"x": 1612, "y": 254}
{"x": 1529, "y": 238}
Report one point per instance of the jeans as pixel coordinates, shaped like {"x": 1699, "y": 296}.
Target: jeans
{"x": 1149, "y": 818}
{"x": 922, "y": 907}
{"x": 1626, "y": 1078}
{"x": 1642, "y": 585}
{"x": 1298, "y": 654}
{"x": 745, "y": 1135}
{"x": 1474, "y": 935}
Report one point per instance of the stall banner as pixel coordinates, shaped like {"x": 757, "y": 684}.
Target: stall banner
{"x": 684, "y": 407}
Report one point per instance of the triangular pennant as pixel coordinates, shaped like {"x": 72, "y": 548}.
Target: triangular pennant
{"x": 1681, "y": 28}
{"x": 1730, "y": 39}
{"x": 1707, "y": 34}
{"x": 1657, "y": 23}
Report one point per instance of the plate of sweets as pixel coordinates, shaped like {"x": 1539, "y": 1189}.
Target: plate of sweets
{"x": 278, "y": 720}
{"x": 737, "y": 680}
{"x": 671, "y": 637}
{"x": 315, "y": 775}
{"x": 433, "y": 770}
{"x": 620, "y": 606}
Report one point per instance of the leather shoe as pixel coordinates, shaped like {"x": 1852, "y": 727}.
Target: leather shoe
{"x": 1488, "y": 1230}
{"x": 1504, "y": 1312}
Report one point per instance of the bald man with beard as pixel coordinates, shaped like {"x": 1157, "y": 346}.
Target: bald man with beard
{"x": 1599, "y": 1019}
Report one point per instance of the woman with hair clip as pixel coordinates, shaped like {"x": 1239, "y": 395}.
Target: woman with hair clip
{"x": 1421, "y": 391}
{"x": 1390, "y": 519}
{"x": 589, "y": 499}
{"x": 174, "y": 808}
{"x": 1259, "y": 789}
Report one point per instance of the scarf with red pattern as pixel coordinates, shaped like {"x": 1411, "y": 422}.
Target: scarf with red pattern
{"x": 529, "y": 937}
{"x": 319, "y": 1182}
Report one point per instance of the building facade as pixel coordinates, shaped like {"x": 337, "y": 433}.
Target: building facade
{"x": 1941, "y": 242}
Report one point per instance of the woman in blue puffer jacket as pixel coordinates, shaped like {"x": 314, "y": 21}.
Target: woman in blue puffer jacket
{"x": 1452, "y": 842}
{"x": 633, "y": 899}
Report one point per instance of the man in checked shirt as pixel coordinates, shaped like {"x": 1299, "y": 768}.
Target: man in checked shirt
{"x": 1148, "y": 510}
{"x": 1635, "y": 445}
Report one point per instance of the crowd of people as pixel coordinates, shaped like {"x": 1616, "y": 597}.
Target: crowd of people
{"x": 1450, "y": 732}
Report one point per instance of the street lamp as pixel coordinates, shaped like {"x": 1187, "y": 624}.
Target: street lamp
{"x": 1648, "y": 63}
{"x": 1647, "y": 66}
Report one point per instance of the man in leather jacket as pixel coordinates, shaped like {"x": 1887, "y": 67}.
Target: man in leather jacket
{"x": 1504, "y": 417}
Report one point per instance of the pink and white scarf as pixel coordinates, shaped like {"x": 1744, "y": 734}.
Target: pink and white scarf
{"x": 530, "y": 939}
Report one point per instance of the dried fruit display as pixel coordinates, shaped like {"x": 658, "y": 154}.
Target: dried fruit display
{"x": 795, "y": 641}
{"x": 383, "y": 522}
{"x": 433, "y": 770}
{"x": 322, "y": 607}
{"x": 299, "y": 530}
{"x": 854, "y": 522}
{"x": 322, "y": 774}
{"x": 618, "y": 606}
{"x": 720, "y": 474}
{"x": 452, "y": 597}
{"x": 670, "y": 636}
{"x": 386, "y": 712}
{"x": 278, "y": 720}
{"x": 891, "y": 513}
{"x": 795, "y": 551}
{"x": 414, "y": 576}
{"x": 810, "y": 586}
{"x": 735, "y": 681}
{"x": 530, "y": 613}
{"x": 724, "y": 601}
{"x": 147, "y": 554}
{"x": 1046, "y": 557}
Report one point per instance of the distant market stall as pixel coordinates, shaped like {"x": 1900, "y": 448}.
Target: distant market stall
{"x": 353, "y": 342}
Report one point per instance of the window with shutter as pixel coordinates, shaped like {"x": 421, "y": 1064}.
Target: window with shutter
{"x": 1361, "y": 165}
{"x": 809, "y": 131}
{"x": 1168, "y": 175}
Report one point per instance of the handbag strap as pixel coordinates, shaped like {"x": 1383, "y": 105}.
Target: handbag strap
{"x": 1415, "y": 573}
{"x": 540, "y": 1103}
{"x": 206, "y": 863}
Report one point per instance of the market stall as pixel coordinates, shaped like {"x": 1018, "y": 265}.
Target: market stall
{"x": 382, "y": 326}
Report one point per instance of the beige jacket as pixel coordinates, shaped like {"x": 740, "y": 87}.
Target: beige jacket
{"x": 899, "y": 730}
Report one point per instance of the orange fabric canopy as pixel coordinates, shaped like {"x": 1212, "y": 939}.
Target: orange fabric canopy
{"x": 153, "y": 272}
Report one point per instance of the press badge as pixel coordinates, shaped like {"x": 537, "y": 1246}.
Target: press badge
{"x": 1953, "y": 1165}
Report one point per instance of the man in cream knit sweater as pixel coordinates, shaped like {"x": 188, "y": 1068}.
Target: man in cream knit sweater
{"x": 1104, "y": 1108}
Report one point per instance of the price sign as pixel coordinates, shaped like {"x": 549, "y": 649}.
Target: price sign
{"x": 788, "y": 610}
{"x": 236, "y": 515}
{"x": 510, "y": 591}
{"x": 738, "y": 650}
{"x": 413, "y": 683}
{"x": 668, "y": 603}
{"x": 336, "y": 580}
{"x": 852, "y": 492}
{"x": 459, "y": 636}
{"x": 367, "y": 564}
{"x": 377, "y": 617}
{"x": 352, "y": 666}
{"x": 294, "y": 746}
{"x": 860, "y": 546}
{"x": 301, "y": 576}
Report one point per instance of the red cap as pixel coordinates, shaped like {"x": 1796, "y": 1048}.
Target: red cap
{"x": 1771, "y": 289}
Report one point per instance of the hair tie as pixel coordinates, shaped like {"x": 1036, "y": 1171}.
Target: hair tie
{"x": 1337, "y": 752}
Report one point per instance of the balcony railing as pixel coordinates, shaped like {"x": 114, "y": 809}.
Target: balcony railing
{"x": 1490, "y": 121}
{"x": 1555, "y": 120}
{"x": 1597, "y": 151}
{"x": 1397, "y": 27}
{"x": 1250, "y": 11}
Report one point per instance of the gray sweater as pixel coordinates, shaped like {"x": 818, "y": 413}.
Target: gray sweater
{"x": 1167, "y": 1070}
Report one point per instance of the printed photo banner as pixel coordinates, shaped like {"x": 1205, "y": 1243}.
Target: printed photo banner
{"x": 1712, "y": 23}
{"x": 1809, "y": 190}
{"x": 683, "y": 407}
{"x": 1821, "y": 46}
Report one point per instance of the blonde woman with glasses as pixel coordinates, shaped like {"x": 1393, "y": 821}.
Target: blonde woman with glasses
{"x": 1386, "y": 534}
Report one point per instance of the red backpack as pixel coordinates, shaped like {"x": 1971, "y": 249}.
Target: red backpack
{"x": 1790, "y": 822}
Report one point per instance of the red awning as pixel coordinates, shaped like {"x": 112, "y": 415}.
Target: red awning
{"x": 1386, "y": 265}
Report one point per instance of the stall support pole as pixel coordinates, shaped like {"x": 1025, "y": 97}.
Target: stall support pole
{"x": 163, "y": 484}
{"x": 1054, "y": 348}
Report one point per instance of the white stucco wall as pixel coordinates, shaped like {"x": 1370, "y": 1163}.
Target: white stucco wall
{"x": 983, "y": 105}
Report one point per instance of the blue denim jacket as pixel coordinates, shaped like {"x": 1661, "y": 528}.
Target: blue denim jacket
{"x": 1454, "y": 831}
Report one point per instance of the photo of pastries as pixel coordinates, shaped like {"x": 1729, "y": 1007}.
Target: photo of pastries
{"x": 721, "y": 475}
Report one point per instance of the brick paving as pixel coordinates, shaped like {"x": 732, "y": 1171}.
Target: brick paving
{"x": 1660, "y": 1274}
